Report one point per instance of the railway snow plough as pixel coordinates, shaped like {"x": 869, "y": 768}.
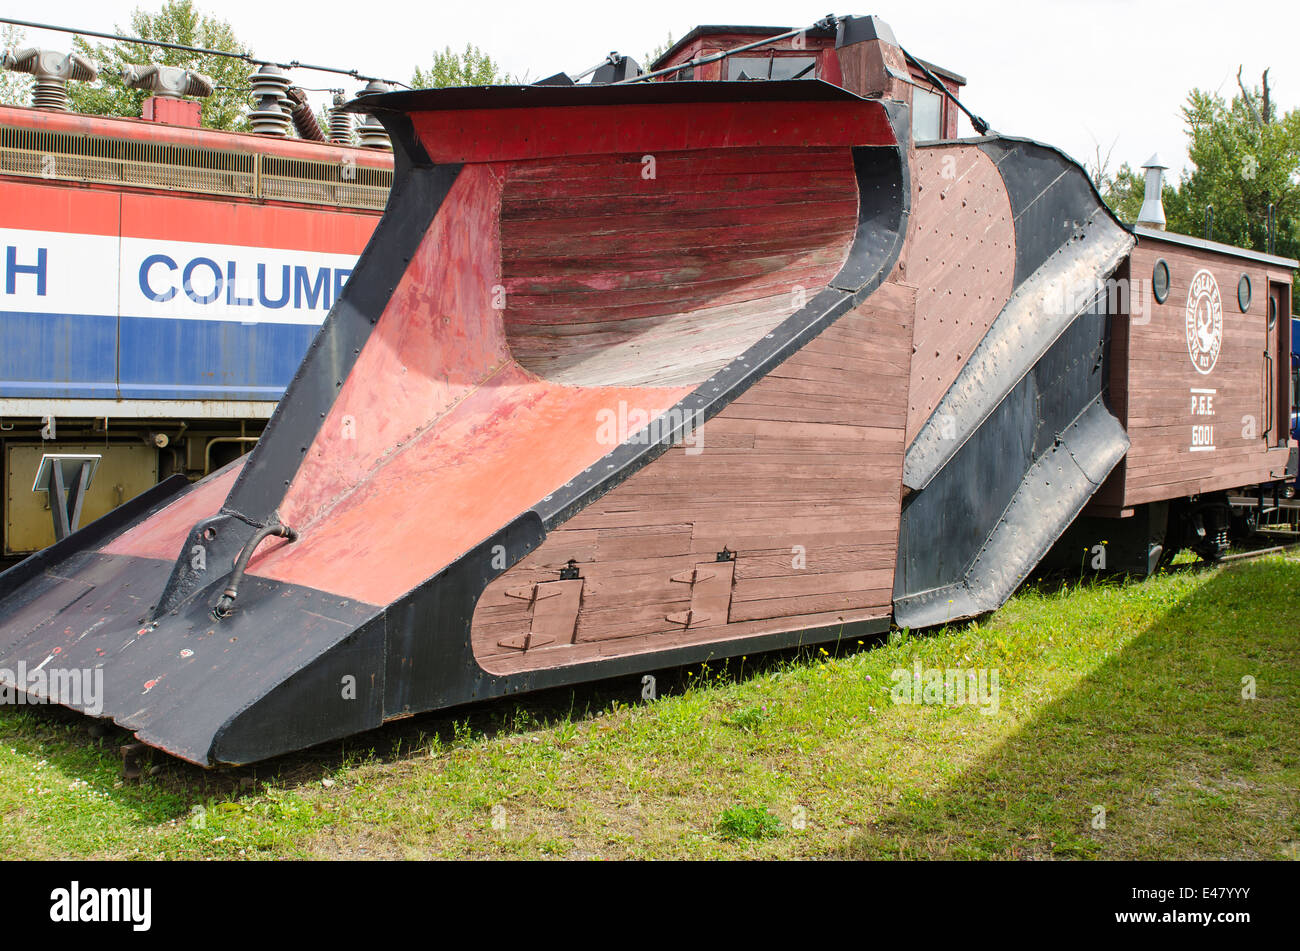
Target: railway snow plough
{"x": 741, "y": 353}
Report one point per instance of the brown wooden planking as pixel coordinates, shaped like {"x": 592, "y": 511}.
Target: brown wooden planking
{"x": 658, "y": 351}
{"x": 1147, "y": 490}
{"x": 823, "y": 560}
{"x": 647, "y": 509}
{"x": 516, "y": 662}
{"x": 1242, "y": 469}
{"x": 831, "y": 486}
{"x": 714, "y": 538}
{"x": 531, "y": 250}
{"x": 813, "y": 604}
{"x": 809, "y": 504}
{"x": 663, "y": 279}
{"x": 874, "y": 68}
{"x": 585, "y": 207}
{"x": 650, "y": 259}
{"x": 625, "y": 169}
{"x": 830, "y": 213}
{"x": 805, "y": 584}
{"x": 579, "y": 284}
{"x": 724, "y": 286}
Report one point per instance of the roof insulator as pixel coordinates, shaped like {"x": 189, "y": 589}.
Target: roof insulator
{"x": 270, "y": 89}
{"x": 52, "y": 70}
{"x": 371, "y": 133}
{"x": 340, "y": 122}
{"x": 168, "y": 82}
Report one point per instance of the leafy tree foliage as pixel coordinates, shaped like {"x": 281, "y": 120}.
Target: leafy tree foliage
{"x": 470, "y": 68}
{"x": 177, "y": 21}
{"x": 1123, "y": 191}
{"x": 1244, "y": 157}
{"x": 15, "y": 88}
{"x": 658, "y": 51}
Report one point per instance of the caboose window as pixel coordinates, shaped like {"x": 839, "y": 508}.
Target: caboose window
{"x": 771, "y": 66}
{"x": 927, "y": 115}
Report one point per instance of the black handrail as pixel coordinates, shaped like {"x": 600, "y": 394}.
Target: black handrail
{"x": 980, "y": 125}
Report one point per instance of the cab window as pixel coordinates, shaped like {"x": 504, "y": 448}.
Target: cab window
{"x": 770, "y": 66}
{"x": 927, "y": 115}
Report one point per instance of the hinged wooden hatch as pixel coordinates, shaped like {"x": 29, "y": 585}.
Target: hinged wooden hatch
{"x": 710, "y": 594}
{"x": 553, "y": 613}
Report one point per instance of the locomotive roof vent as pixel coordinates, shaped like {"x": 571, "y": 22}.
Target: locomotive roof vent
{"x": 1153, "y": 207}
{"x": 170, "y": 82}
{"x": 370, "y": 131}
{"x": 271, "y": 90}
{"x": 52, "y": 70}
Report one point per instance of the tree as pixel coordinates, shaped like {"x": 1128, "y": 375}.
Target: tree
{"x": 1121, "y": 190}
{"x": 15, "y": 88}
{"x": 1124, "y": 192}
{"x": 177, "y": 21}
{"x": 470, "y": 68}
{"x": 658, "y": 51}
{"x": 1245, "y": 157}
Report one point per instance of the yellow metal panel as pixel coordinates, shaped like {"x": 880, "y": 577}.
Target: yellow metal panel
{"x": 125, "y": 471}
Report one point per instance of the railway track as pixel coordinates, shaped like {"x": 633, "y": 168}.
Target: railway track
{"x": 1286, "y": 546}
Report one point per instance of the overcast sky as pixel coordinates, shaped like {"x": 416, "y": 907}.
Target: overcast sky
{"x": 1073, "y": 73}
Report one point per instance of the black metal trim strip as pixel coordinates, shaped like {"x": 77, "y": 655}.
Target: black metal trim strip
{"x": 1200, "y": 244}
{"x": 1056, "y": 487}
{"x": 1000, "y": 138}
{"x": 419, "y": 189}
{"x": 634, "y": 94}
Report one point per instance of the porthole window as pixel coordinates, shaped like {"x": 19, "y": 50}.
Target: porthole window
{"x": 1160, "y": 281}
{"x": 1243, "y": 293}
{"x": 1272, "y": 313}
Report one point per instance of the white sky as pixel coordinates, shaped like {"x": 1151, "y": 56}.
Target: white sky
{"x": 1072, "y": 73}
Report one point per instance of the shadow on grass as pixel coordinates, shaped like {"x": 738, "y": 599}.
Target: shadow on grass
{"x": 1160, "y": 737}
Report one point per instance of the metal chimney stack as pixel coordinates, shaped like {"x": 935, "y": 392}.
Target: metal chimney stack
{"x": 271, "y": 90}
{"x": 370, "y": 131}
{"x": 52, "y": 70}
{"x": 340, "y": 122}
{"x": 1153, "y": 207}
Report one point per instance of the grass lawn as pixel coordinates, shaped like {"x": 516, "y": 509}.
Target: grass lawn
{"x": 1120, "y": 731}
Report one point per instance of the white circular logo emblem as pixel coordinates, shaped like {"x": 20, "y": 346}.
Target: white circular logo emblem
{"x": 1204, "y": 321}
